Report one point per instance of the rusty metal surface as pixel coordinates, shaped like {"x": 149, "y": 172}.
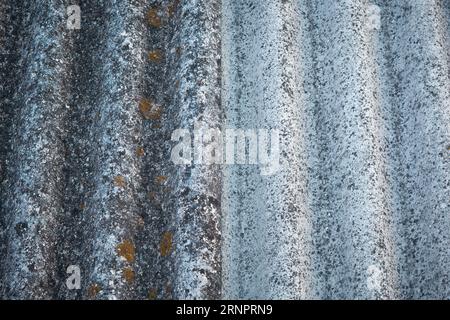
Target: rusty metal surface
{"x": 358, "y": 207}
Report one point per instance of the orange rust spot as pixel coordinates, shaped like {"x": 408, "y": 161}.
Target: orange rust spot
{"x": 144, "y": 106}
{"x": 126, "y": 250}
{"x": 155, "y": 55}
{"x": 152, "y": 195}
{"x": 153, "y": 18}
{"x": 82, "y": 206}
{"x": 93, "y": 290}
{"x": 149, "y": 111}
{"x": 160, "y": 179}
{"x": 448, "y": 147}
{"x": 119, "y": 181}
{"x": 140, "y": 152}
{"x": 128, "y": 275}
{"x": 166, "y": 243}
{"x": 152, "y": 294}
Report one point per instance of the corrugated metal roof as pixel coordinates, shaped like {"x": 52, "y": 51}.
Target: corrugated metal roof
{"x": 358, "y": 91}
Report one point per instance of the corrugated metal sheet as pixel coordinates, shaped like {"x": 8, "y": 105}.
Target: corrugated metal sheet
{"x": 359, "y": 91}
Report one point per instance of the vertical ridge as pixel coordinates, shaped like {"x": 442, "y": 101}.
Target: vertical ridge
{"x": 267, "y": 218}
{"x": 197, "y": 189}
{"x": 35, "y": 161}
{"x": 420, "y": 100}
{"x": 111, "y": 211}
{"x": 353, "y": 228}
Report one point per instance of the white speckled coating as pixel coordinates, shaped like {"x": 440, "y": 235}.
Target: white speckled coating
{"x": 358, "y": 90}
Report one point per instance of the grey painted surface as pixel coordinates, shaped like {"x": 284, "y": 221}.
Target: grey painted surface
{"x": 358, "y": 209}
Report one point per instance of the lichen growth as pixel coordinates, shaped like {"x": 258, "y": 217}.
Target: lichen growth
{"x": 119, "y": 181}
{"x": 153, "y": 18}
{"x": 155, "y": 55}
{"x": 128, "y": 275}
{"x": 166, "y": 244}
{"x": 149, "y": 111}
{"x": 140, "y": 152}
{"x": 93, "y": 290}
{"x": 160, "y": 179}
{"x": 126, "y": 250}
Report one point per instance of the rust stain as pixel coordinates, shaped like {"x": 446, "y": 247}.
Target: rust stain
{"x": 126, "y": 250}
{"x": 93, "y": 290}
{"x": 128, "y": 275}
{"x": 149, "y": 111}
{"x": 160, "y": 179}
{"x": 153, "y": 18}
{"x": 119, "y": 181}
{"x": 155, "y": 55}
{"x": 140, "y": 152}
{"x": 166, "y": 243}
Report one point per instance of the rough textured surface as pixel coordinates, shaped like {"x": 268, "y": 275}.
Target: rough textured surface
{"x": 358, "y": 209}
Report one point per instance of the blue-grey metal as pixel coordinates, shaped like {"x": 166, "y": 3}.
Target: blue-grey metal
{"x": 359, "y": 207}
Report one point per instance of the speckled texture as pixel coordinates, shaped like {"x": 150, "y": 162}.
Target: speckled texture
{"x": 359, "y": 207}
